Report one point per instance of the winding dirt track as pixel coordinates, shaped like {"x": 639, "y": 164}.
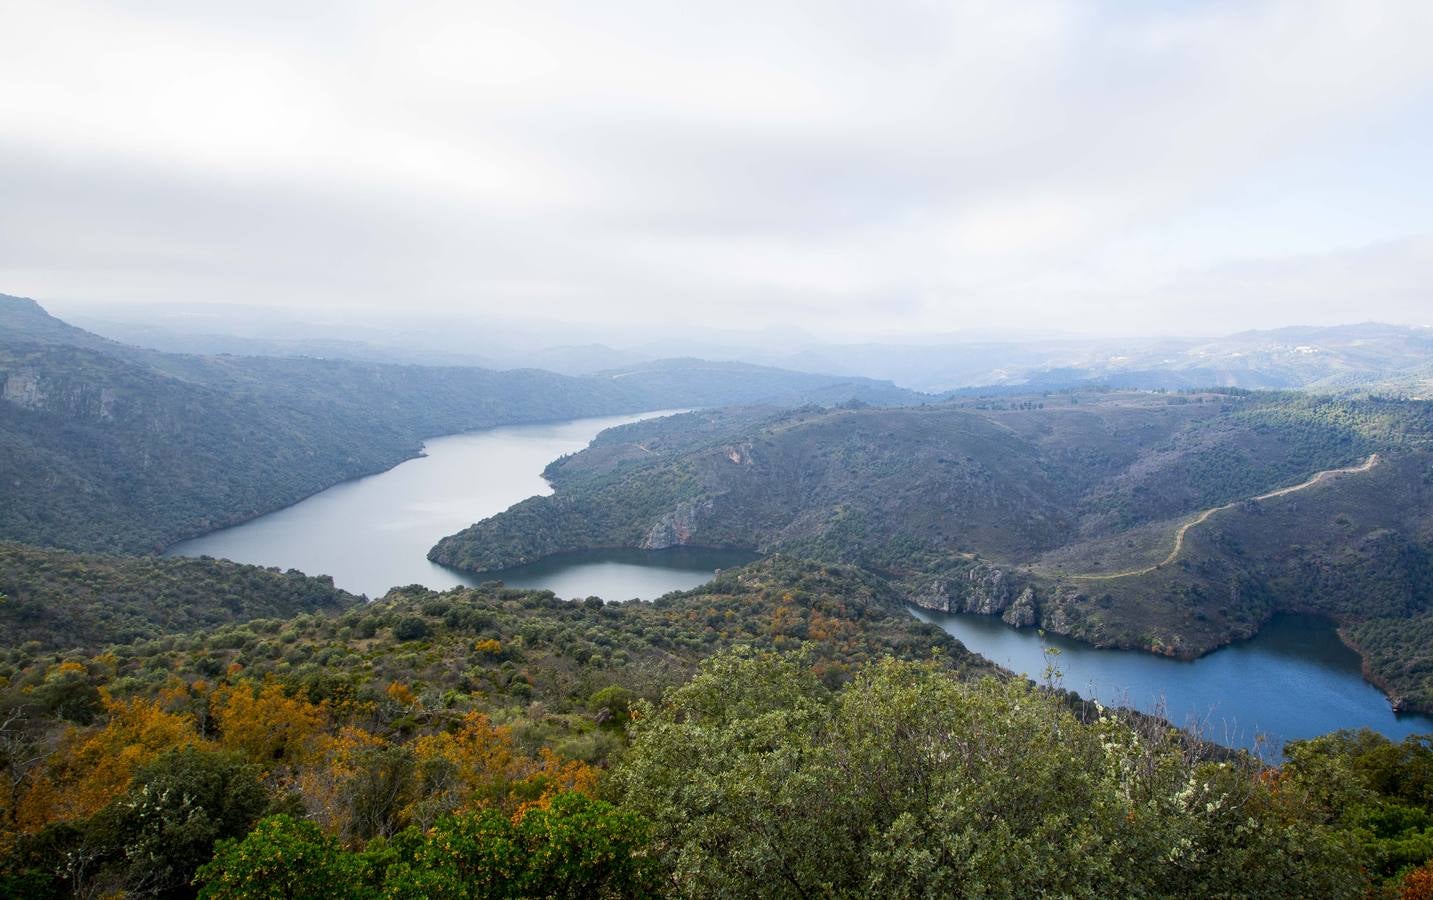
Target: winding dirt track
{"x": 1204, "y": 516}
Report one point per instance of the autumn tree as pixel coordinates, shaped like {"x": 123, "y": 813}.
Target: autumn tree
{"x": 264, "y": 724}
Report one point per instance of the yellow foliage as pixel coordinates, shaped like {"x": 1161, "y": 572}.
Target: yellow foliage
{"x": 265, "y": 725}
{"x": 333, "y": 766}
{"x": 401, "y": 693}
{"x": 92, "y": 768}
{"x": 480, "y": 765}
{"x": 474, "y": 764}
{"x": 553, "y": 776}
{"x": 489, "y": 646}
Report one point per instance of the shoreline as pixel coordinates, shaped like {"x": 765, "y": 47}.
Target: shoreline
{"x": 419, "y": 453}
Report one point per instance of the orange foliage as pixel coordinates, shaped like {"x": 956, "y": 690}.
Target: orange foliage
{"x": 334, "y": 765}
{"x": 92, "y": 768}
{"x": 480, "y": 765}
{"x": 474, "y": 764}
{"x": 1418, "y": 884}
{"x": 829, "y": 628}
{"x": 265, "y": 725}
{"x": 554, "y": 776}
{"x": 402, "y": 694}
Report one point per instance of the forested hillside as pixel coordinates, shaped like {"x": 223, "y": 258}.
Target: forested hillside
{"x": 113, "y": 448}
{"x": 788, "y": 717}
{"x": 54, "y": 600}
{"x": 1025, "y": 507}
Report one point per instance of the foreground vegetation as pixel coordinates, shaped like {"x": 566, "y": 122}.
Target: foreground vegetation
{"x": 754, "y": 778}
{"x": 786, "y": 730}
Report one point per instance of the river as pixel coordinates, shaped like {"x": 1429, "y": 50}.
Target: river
{"x": 374, "y": 533}
{"x": 1294, "y": 679}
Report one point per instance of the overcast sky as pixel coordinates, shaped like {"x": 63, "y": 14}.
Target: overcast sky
{"x": 849, "y": 168}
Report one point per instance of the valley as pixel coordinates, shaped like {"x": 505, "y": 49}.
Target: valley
{"x": 984, "y": 507}
{"x": 964, "y": 539}
{"x": 512, "y": 451}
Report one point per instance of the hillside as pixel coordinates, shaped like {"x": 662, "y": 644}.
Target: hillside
{"x": 996, "y": 506}
{"x": 113, "y": 448}
{"x": 399, "y": 745}
{"x": 53, "y": 600}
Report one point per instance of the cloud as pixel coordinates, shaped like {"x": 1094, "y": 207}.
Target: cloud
{"x": 836, "y": 166}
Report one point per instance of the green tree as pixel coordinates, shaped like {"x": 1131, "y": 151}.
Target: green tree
{"x": 908, "y": 782}
{"x": 166, "y": 824}
{"x": 576, "y": 847}
{"x": 282, "y": 858}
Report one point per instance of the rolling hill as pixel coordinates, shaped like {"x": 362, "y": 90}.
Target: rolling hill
{"x": 1024, "y": 508}
{"x": 114, "y": 448}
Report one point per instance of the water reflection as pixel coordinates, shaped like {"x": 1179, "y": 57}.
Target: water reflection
{"x": 1295, "y": 679}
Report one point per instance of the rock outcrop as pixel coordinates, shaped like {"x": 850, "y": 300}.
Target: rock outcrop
{"x": 981, "y": 588}
{"x": 675, "y": 528}
{"x": 1023, "y": 612}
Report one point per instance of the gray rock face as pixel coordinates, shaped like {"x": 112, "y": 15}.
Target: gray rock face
{"x": 1022, "y": 613}
{"x": 23, "y": 390}
{"x": 1060, "y": 612}
{"x": 675, "y": 529}
{"x": 982, "y": 589}
{"x": 739, "y": 454}
{"x": 88, "y": 401}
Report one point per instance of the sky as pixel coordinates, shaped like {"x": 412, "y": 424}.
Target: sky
{"x": 847, "y": 169}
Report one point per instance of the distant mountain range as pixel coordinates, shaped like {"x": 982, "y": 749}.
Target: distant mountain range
{"x": 1333, "y": 358}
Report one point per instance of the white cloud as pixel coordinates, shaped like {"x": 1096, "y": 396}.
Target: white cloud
{"x": 840, "y": 166}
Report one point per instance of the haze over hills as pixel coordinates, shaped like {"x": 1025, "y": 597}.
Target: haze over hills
{"x": 1017, "y": 475}
{"x": 106, "y": 446}
{"x": 1325, "y": 358}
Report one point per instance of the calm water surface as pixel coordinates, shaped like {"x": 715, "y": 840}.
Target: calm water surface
{"x": 374, "y": 533}
{"x": 623, "y": 574}
{"x": 1294, "y": 679}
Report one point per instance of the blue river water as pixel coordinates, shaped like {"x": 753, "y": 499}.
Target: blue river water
{"x": 1294, "y": 679}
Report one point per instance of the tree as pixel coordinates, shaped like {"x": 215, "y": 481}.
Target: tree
{"x": 264, "y": 724}
{"x": 281, "y": 858}
{"x": 907, "y": 782}
{"x": 574, "y": 847}
{"x": 166, "y": 824}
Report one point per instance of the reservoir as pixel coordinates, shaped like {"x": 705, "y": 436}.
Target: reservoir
{"x": 1294, "y": 679}
{"x": 374, "y": 533}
